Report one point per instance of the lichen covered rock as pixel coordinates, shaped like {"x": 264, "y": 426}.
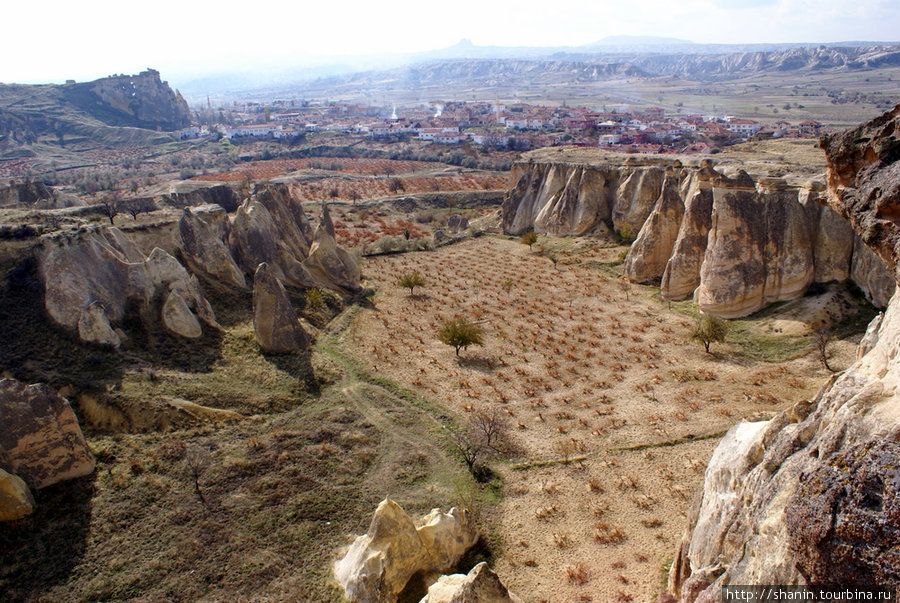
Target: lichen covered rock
{"x": 843, "y": 522}
{"x": 40, "y": 438}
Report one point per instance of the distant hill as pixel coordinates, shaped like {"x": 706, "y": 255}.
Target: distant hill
{"x": 439, "y": 78}
{"x": 107, "y": 110}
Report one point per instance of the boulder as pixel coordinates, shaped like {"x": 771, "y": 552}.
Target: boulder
{"x": 40, "y": 437}
{"x": 275, "y": 323}
{"x": 16, "y": 500}
{"x": 480, "y": 585}
{"x": 178, "y": 318}
{"x": 93, "y": 326}
{"x": 379, "y": 564}
{"x": 457, "y": 223}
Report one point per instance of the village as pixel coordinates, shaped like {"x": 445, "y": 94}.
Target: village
{"x": 518, "y": 126}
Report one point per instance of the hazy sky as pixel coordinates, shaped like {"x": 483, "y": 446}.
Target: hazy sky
{"x": 53, "y": 40}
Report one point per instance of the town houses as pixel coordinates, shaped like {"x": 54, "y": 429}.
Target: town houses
{"x": 492, "y": 124}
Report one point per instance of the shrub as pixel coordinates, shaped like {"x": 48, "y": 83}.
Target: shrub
{"x": 411, "y": 280}
{"x": 529, "y": 238}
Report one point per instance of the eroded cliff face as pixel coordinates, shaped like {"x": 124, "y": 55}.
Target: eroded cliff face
{"x": 93, "y": 278}
{"x": 813, "y": 495}
{"x": 734, "y": 243}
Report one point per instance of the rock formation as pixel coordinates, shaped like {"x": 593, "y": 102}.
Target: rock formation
{"x": 142, "y": 101}
{"x": 26, "y": 193}
{"x": 16, "y": 500}
{"x": 479, "y": 585}
{"x": 734, "y": 243}
{"x": 328, "y": 263}
{"x": 91, "y": 278}
{"x": 378, "y": 564}
{"x": 203, "y": 231}
{"x": 275, "y": 323}
{"x": 457, "y": 223}
{"x": 811, "y": 496}
{"x": 40, "y": 440}
{"x": 271, "y": 227}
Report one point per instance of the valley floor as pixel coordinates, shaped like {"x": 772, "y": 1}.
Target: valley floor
{"x": 583, "y": 368}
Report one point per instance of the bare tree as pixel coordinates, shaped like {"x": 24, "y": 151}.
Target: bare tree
{"x": 110, "y": 204}
{"x": 625, "y": 286}
{"x": 821, "y": 338}
{"x": 485, "y": 433}
{"x": 198, "y": 460}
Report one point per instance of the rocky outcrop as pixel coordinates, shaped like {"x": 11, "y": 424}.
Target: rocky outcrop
{"x": 328, "y": 263}
{"x": 203, "y": 231}
{"x": 275, "y": 323}
{"x": 811, "y": 496}
{"x": 25, "y": 193}
{"x": 378, "y": 564}
{"x": 734, "y": 243}
{"x": 90, "y": 279}
{"x": 457, "y": 223}
{"x": 844, "y": 520}
{"x": 16, "y": 500}
{"x": 141, "y": 101}
{"x": 271, "y": 227}
{"x": 479, "y": 585}
{"x": 40, "y": 440}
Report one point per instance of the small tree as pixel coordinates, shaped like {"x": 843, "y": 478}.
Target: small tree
{"x": 460, "y": 332}
{"x": 529, "y": 238}
{"x": 411, "y": 280}
{"x": 710, "y": 329}
{"x": 625, "y": 286}
{"x": 396, "y": 185}
{"x": 821, "y": 338}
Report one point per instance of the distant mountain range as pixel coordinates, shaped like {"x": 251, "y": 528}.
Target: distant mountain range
{"x": 629, "y": 56}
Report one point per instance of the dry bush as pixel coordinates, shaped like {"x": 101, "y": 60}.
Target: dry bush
{"x": 577, "y": 574}
{"x": 562, "y": 540}
{"x": 607, "y": 534}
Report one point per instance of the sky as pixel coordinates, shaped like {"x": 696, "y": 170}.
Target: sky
{"x": 54, "y": 40}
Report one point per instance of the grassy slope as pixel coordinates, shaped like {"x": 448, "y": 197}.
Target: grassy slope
{"x": 282, "y": 489}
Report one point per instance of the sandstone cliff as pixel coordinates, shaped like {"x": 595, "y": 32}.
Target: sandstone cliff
{"x": 810, "y": 497}
{"x": 734, "y": 242}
